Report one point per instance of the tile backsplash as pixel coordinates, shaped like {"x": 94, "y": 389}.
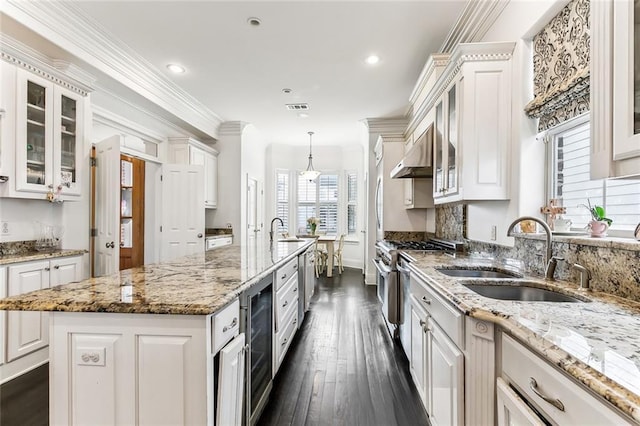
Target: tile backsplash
{"x": 614, "y": 264}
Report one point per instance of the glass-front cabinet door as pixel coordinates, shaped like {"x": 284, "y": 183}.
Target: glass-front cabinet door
{"x": 67, "y": 140}
{"x": 452, "y": 142}
{"x": 438, "y": 168}
{"x": 34, "y": 141}
{"x": 626, "y": 81}
{"x": 49, "y": 135}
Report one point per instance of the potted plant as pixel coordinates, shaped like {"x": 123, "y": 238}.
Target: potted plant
{"x": 599, "y": 223}
{"x": 313, "y": 223}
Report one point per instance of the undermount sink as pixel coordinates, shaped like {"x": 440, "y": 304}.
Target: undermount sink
{"x": 520, "y": 291}
{"x": 477, "y": 273}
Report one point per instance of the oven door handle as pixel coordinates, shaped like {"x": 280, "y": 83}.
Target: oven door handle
{"x": 382, "y": 268}
{"x": 402, "y": 270}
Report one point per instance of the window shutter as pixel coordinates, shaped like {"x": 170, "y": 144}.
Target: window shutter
{"x": 282, "y": 199}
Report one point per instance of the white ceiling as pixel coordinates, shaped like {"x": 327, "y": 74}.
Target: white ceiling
{"x": 316, "y": 48}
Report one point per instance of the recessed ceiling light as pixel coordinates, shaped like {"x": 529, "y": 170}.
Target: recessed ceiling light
{"x": 175, "y": 68}
{"x": 287, "y": 91}
{"x": 372, "y": 59}
{"x": 254, "y": 22}
{"x": 303, "y": 115}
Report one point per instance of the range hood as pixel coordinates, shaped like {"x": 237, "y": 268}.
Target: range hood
{"x": 418, "y": 162}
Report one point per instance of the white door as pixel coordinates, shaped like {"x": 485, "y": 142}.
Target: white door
{"x": 107, "y": 255}
{"x": 512, "y": 410}
{"x": 27, "y": 331}
{"x": 418, "y": 354}
{"x": 252, "y": 211}
{"x": 444, "y": 379}
{"x": 182, "y": 221}
{"x": 3, "y": 314}
{"x": 231, "y": 381}
{"x": 65, "y": 271}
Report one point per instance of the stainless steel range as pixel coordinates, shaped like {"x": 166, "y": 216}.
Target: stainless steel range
{"x": 393, "y": 279}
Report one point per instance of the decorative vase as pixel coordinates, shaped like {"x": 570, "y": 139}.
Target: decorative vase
{"x": 598, "y": 228}
{"x": 313, "y": 229}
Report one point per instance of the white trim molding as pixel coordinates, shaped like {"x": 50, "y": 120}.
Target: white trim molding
{"x": 59, "y": 72}
{"x": 474, "y": 22}
{"x": 67, "y": 26}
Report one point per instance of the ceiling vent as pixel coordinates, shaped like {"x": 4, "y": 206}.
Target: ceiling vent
{"x": 297, "y": 107}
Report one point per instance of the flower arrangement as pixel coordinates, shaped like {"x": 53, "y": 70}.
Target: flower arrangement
{"x": 313, "y": 223}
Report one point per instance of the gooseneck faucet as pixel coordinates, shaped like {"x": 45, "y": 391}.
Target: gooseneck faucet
{"x": 550, "y": 261}
{"x": 271, "y": 229}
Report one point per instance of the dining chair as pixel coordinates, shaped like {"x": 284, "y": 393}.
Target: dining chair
{"x": 337, "y": 254}
{"x": 319, "y": 258}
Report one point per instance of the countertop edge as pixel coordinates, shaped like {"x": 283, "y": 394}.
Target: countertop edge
{"x": 32, "y": 256}
{"x": 618, "y": 396}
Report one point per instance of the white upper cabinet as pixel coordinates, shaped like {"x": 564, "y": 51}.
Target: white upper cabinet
{"x": 190, "y": 151}
{"x": 472, "y": 135}
{"x": 615, "y": 89}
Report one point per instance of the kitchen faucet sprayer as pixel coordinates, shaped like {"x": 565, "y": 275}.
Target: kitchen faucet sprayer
{"x": 550, "y": 261}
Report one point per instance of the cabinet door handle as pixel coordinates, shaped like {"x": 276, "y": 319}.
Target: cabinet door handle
{"x": 286, "y": 302}
{"x": 533, "y": 385}
{"x": 284, "y": 342}
{"x": 425, "y": 300}
{"x": 56, "y": 267}
{"x": 230, "y": 326}
{"x": 284, "y": 276}
{"x": 47, "y": 268}
{"x": 200, "y": 235}
{"x": 295, "y": 289}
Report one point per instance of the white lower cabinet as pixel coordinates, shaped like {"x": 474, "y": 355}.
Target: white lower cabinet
{"x": 231, "y": 382}
{"x": 512, "y": 410}
{"x": 285, "y": 306}
{"x": 446, "y": 385}
{"x": 437, "y": 364}
{"x": 28, "y": 331}
{"x": 556, "y": 398}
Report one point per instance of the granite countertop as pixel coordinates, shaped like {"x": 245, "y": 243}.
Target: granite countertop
{"x": 8, "y": 259}
{"x": 199, "y": 284}
{"x": 597, "y": 342}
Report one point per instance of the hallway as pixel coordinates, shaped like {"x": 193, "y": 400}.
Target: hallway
{"x": 343, "y": 368}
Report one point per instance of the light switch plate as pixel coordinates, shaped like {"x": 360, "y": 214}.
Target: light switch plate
{"x": 4, "y": 228}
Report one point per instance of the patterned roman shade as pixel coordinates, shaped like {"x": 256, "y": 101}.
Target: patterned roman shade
{"x": 561, "y": 67}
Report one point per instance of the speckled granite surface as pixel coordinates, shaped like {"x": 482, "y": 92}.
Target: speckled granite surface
{"x": 405, "y": 236}
{"x": 218, "y": 231}
{"x": 37, "y": 255}
{"x": 598, "y": 343}
{"x": 194, "y": 285}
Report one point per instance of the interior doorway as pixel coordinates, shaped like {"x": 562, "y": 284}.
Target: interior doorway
{"x": 132, "y": 195}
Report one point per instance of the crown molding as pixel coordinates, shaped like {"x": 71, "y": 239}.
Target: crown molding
{"x": 230, "y": 128}
{"x": 64, "y": 24}
{"x": 473, "y": 23}
{"x": 59, "y": 72}
{"x": 434, "y": 62}
{"x": 386, "y": 126}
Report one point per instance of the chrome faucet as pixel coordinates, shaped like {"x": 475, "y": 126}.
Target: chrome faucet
{"x": 550, "y": 261}
{"x": 271, "y": 229}
{"x": 585, "y": 276}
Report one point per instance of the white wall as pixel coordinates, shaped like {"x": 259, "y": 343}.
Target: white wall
{"x": 520, "y": 21}
{"x": 25, "y": 216}
{"x": 334, "y": 158}
{"x": 253, "y": 165}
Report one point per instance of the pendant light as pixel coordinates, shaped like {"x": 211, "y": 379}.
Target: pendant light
{"x": 310, "y": 174}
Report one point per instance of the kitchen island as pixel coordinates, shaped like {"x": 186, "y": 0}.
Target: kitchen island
{"x": 138, "y": 347}
{"x": 594, "y": 343}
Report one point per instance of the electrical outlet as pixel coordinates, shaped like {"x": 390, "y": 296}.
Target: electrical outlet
{"x": 4, "y": 228}
{"x": 494, "y": 230}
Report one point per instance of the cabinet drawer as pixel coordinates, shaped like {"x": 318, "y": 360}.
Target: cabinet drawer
{"x": 286, "y": 272}
{"x": 286, "y": 301}
{"x": 226, "y": 325}
{"x": 521, "y": 367}
{"x": 284, "y": 337}
{"x": 448, "y": 318}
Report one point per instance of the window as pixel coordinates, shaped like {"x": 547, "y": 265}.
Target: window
{"x": 572, "y": 185}
{"x": 282, "y": 199}
{"x": 319, "y": 199}
{"x": 352, "y": 199}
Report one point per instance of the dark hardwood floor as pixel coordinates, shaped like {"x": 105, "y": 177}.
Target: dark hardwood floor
{"x": 25, "y": 399}
{"x": 343, "y": 367}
